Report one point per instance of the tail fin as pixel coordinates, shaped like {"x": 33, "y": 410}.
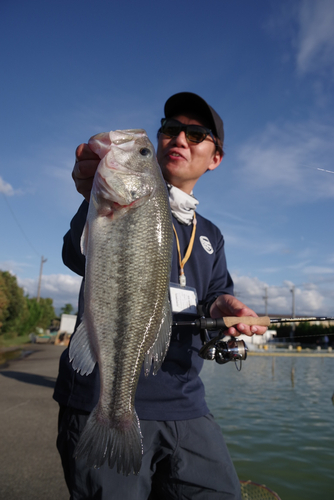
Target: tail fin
{"x": 120, "y": 443}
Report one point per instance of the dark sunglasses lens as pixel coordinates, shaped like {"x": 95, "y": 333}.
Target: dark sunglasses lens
{"x": 196, "y": 134}
{"x": 170, "y": 129}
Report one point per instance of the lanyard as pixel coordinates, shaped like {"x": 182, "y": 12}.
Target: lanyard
{"x": 182, "y": 262}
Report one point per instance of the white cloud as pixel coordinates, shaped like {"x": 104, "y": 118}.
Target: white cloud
{"x": 309, "y": 300}
{"x": 308, "y": 26}
{"x": 315, "y": 40}
{"x": 318, "y": 270}
{"x": 6, "y": 188}
{"x": 62, "y": 288}
{"x": 287, "y": 157}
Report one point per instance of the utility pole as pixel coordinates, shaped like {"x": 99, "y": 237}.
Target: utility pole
{"x": 266, "y": 300}
{"x": 40, "y": 278}
{"x": 293, "y": 326}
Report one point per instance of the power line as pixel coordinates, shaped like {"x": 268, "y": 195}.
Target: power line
{"x": 19, "y": 225}
{"x": 31, "y": 245}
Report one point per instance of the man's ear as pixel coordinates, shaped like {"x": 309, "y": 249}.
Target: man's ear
{"x": 216, "y": 160}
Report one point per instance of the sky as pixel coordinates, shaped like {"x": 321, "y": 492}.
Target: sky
{"x": 71, "y": 69}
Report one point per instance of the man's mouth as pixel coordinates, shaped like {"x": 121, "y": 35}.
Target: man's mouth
{"x": 175, "y": 154}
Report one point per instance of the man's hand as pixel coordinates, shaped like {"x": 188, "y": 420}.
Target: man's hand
{"x": 86, "y": 163}
{"x": 227, "y": 305}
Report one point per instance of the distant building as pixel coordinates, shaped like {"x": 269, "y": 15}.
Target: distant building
{"x": 258, "y": 340}
{"x": 67, "y": 323}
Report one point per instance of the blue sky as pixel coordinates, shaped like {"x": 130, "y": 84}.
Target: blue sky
{"x": 71, "y": 69}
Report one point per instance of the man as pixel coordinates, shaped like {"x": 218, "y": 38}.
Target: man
{"x": 184, "y": 455}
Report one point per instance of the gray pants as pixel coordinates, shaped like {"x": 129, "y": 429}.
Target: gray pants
{"x": 182, "y": 460}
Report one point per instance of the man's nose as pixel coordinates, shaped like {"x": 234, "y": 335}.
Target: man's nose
{"x": 181, "y": 139}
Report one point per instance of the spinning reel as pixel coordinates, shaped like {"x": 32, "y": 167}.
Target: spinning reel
{"x": 217, "y": 349}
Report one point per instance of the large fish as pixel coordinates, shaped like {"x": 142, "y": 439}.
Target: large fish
{"x": 127, "y": 242}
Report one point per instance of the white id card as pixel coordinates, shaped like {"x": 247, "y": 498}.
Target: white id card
{"x": 183, "y": 299}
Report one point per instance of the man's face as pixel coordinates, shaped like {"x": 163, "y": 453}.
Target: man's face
{"x": 182, "y": 163}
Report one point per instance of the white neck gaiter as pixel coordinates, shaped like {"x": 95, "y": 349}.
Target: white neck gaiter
{"x": 182, "y": 205}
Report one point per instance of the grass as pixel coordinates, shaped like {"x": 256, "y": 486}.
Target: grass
{"x": 10, "y": 341}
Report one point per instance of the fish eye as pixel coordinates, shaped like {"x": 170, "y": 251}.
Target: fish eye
{"x": 145, "y": 151}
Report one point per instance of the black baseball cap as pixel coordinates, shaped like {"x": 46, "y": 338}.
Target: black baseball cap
{"x": 187, "y": 102}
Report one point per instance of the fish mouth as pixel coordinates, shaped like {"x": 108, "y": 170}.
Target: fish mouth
{"x": 124, "y": 137}
{"x": 102, "y": 143}
{"x": 116, "y": 185}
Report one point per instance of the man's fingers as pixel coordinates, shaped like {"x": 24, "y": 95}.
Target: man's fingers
{"x": 86, "y": 163}
{"x": 246, "y": 330}
{"x": 83, "y": 152}
{"x": 84, "y": 169}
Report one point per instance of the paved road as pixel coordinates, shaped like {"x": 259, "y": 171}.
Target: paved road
{"x": 30, "y": 467}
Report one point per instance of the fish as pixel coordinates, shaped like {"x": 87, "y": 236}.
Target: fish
{"x": 127, "y": 241}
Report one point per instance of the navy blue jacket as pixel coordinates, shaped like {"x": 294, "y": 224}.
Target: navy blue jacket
{"x": 176, "y": 392}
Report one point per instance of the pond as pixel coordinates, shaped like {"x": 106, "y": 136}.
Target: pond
{"x": 9, "y": 354}
{"x": 277, "y": 418}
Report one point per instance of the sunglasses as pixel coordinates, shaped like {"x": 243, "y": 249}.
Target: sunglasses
{"x": 194, "y": 133}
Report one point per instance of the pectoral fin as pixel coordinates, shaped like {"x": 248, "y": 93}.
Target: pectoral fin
{"x": 81, "y": 355}
{"x": 159, "y": 349}
{"x": 84, "y": 239}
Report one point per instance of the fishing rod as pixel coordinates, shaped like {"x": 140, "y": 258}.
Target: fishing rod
{"x": 228, "y": 321}
{"x": 234, "y": 349}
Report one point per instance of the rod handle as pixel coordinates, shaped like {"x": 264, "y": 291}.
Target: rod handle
{"x": 246, "y": 320}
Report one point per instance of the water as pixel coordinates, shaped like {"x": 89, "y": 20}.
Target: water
{"x": 277, "y": 417}
{"x": 9, "y": 354}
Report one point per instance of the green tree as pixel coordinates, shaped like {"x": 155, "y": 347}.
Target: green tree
{"x": 67, "y": 309}
{"x": 16, "y": 311}
{"x": 35, "y": 314}
{"x": 306, "y": 333}
{"x": 20, "y": 314}
{"x": 48, "y": 313}
{"x": 40, "y": 315}
{"x": 4, "y": 301}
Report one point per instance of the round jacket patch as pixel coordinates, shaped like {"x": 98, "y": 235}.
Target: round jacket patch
{"x": 205, "y": 242}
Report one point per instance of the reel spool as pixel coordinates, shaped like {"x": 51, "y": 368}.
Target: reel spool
{"x": 223, "y": 352}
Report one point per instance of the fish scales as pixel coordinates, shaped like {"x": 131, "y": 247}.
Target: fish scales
{"x": 127, "y": 317}
{"x": 129, "y": 277}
